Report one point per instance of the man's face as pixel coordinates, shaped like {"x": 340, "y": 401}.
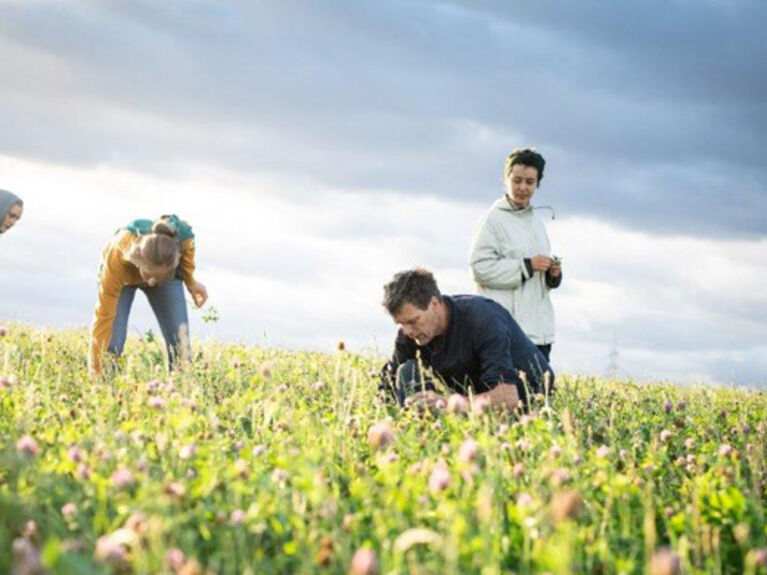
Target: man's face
{"x": 422, "y": 325}
{"x": 522, "y": 183}
{"x": 10, "y": 219}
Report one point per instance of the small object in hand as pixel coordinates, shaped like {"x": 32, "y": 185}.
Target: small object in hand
{"x": 556, "y": 261}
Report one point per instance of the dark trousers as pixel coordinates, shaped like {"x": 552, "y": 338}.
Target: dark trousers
{"x": 546, "y": 351}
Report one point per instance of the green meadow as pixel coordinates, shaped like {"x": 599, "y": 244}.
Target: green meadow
{"x": 256, "y": 460}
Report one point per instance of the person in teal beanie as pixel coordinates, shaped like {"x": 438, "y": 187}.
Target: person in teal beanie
{"x": 11, "y": 208}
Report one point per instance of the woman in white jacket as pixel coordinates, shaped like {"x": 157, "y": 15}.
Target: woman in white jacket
{"x": 510, "y": 256}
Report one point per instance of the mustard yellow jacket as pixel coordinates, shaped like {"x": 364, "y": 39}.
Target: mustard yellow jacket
{"x": 116, "y": 273}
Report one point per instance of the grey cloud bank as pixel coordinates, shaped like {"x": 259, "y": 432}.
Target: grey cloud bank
{"x": 648, "y": 112}
{"x": 649, "y": 115}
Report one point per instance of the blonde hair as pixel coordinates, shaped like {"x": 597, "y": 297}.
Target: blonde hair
{"x": 158, "y": 250}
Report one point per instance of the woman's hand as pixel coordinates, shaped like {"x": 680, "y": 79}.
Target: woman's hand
{"x": 540, "y": 263}
{"x": 199, "y": 294}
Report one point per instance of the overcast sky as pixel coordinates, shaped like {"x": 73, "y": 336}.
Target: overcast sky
{"x": 319, "y": 147}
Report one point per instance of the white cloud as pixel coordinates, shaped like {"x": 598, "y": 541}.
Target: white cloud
{"x": 296, "y": 265}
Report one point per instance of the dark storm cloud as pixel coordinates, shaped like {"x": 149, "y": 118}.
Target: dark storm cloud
{"x": 650, "y": 113}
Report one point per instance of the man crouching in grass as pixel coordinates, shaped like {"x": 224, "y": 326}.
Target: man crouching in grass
{"x": 469, "y": 342}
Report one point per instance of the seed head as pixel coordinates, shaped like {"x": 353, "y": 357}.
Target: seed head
{"x": 122, "y": 477}
{"x": 380, "y": 435}
{"x": 566, "y": 505}
{"x": 364, "y": 562}
{"x": 156, "y": 402}
{"x": 27, "y": 446}
{"x": 439, "y": 478}
{"x": 69, "y": 511}
{"x": 469, "y": 451}
{"x": 665, "y": 562}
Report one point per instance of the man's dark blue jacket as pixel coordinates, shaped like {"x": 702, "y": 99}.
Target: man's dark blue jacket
{"x": 482, "y": 347}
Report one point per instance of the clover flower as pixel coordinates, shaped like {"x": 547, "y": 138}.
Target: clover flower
{"x": 27, "y": 446}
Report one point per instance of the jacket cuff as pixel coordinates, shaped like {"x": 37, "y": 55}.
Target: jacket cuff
{"x": 527, "y": 269}
{"x": 553, "y": 282}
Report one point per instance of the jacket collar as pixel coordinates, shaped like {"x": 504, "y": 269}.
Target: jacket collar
{"x": 504, "y": 203}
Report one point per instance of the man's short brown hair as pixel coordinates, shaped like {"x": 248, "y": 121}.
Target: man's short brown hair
{"x": 416, "y": 287}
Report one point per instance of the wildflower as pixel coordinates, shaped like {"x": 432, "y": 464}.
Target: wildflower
{"x": 142, "y": 464}
{"x": 27, "y": 446}
{"x": 758, "y": 557}
{"x": 237, "y": 517}
{"x": 83, "y": 472}
{"x": 364, "y": 562}
{"x": 68, "y": 511}
{"x": 555, "y": 451}
{"x": 560, "y": 476}
{"x": 241, "y": 467}
{"x": 188, "y": 451}
{"x": 439, "y": 478}
{"x": 175, "y": 489}
{"x": 603, "y": 452}
{"x": 156, "y": 402}
{"x": 3, "y": 331}
{"x": 318, "y": 386}
{"x": 280, "y": 475}
{"x": 113, "y": 548}
{"x": 524, "y": 499}
{"x": 341, "y": 346}
{"x": 282, "y": 388}
{"x": 437, "y": 425}
{"x": 649, "y": 468}
{"x": 153, "y": 386}
{"x": 239, "y": 445}
{"x": 258, "y": 450}
{"x": 175, "y": 558}
{"x": 380, "y": 435}
{"x": 524, "y": 445}
{"x": 681, "y": 404}
{"x": 25, "y": 558}
{"x": 457, "y": 403}
{"x": 725, "y": 450}
{"x": 665, "y": 562}
{"x": 122, "y": 477}
{"x": 665, "y": 435}
{"x": 689, "y": 443}
{"x": 347, "y": 522}
{"x": 468, "y": 451}
{"x": 668, "y": 406}
{"x": 518, "y": 471}
{"x": 5, "y": 382}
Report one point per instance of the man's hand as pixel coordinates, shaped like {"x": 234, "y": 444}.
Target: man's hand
{"x": 540, "y": 263}
{"x": 199, "y": 294}
{"x": 426, "y": 400}
{"x": 503, "y": 395}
